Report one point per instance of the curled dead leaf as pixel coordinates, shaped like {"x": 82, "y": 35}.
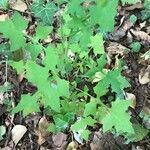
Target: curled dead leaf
{"x": 141, "y": 36}
{"x": 72, "y": 146}
{"x": 135, "y": 6}
{"x": 19, "y": 5}
{"x": 21, "y": 76}
{"x": 131, "y": 97}
{"x": 18, "y": 132}
{"x": 144, "y": 76}
{"x": 42, "y": 131}
{"x": 115, "y": 48}
{"x": 59, "y": 141}
{"x": 121, "y": 30}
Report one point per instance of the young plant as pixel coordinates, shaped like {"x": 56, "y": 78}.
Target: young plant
{"x": 66, "y": 65}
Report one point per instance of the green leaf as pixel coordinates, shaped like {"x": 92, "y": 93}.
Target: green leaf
{"x": 81, "y": 124}
{"x": 75, "y": 8}
{"x": 2, "y": 132}
{"x": 28, "y": 104}
{"x": 81, "y": 32}
{"x": 61, "y": 86}
{"x": 43, "y": 31}
{"x": 130, "y": 1}
{"x": 136, "y": 46}
{"x": 145, "y": 14}
{"x": 34, "y": 49}
{"x": 101, "y": 62}
{"x": 85, "y": 134}
{"x": 116, "y": 80}
{"x": 13, "y": 29}
{"x": 60, "y": 124}
{"x": 51, "y": 59}
{"x": 102, "y": 87}
{"x": 101, "y": 113}
{"x": 62, "y": 121}
{"x": 147, "y": 4}
{"x": 140, "y": 133}
{"x": 84, "y": 39}
{"x": 44, "y": 12}
{"x": 19, "y": 66}
{"x": 4, "y": 4}
{"x": 36, "y": 74}
{"x": 133, "y": 19}
{"x": 52, "y": 128}
{"x": 118, "y": 117}
{"x": 5, "y": 49}
{"x": 51, "y": 91}
{"x": 69, "y": 106}
{"x": 103, "y": 14}
{"x": 90, "y": 108}
{"x": 97, "y": 44}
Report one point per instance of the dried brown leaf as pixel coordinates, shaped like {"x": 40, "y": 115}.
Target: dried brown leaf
{"x": 115, "y": 48}
{"x": 131, "y": 97}
{"x": 141, "y": 36}
{"x": 135, "y": 6}
{"x": 18, "y": 132}
{"x": 42, "y": 131}
{"x": 19, "y": 5}
{"x": 72, "y": 146}
{"x": 144, "y": 76}
{"x": 59, "y": 139}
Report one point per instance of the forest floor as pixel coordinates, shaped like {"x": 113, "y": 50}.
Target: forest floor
{"x": 129, "y": 28}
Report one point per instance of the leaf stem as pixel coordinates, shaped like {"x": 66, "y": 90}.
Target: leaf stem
{"x": 98, "y": 101}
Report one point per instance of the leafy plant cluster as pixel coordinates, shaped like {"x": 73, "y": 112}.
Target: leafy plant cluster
{"x": 74, "y": 58}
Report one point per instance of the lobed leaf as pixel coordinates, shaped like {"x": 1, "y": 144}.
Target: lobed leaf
{"x": 13, "y": 30}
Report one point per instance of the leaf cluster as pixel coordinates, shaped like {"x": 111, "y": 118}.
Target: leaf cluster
{"x": 58, "y": 69}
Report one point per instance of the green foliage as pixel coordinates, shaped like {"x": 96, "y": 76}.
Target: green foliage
{"x": 90, "y": 108}
{"x": 13, "y": 30}
{"x": 44, "y": 12}
{"x": 75, "y": 8}
{"x": 51, "y": 59}
{"x": 115, "y": 80}
{"x": 62, "y": 121}
{"x": 4, "y": 4}
{"x": 42, "y": 32}
{"x": 62, "y": 71}
{"x": 81, "y": 125}
{"x": 139, "y": 133}
{"x": 133, "y": 18}
{"x": 147, "y": 4}
{"x": 103, "y": 15}
{"x": 19, "y": 66}
{"x": 97, "y": 44}
{"x": 5, "y": 49}
{"x": 118, "y": 118}
{"x": 136, "y": 46}
{"x": 28, "y": 104}
{"x": 34, "y": 47}
{"x": 146, "y": 12}
{"x": 54, "y": 89}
